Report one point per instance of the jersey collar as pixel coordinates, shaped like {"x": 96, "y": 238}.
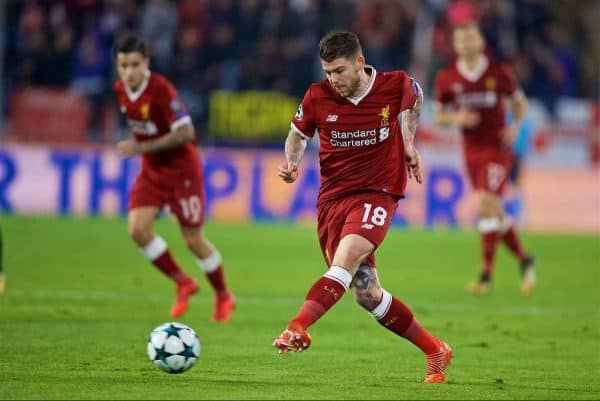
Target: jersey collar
{"x": 133, "y": 96}
{"x": 474, "y": 74}
{"x": 356, "y": 100}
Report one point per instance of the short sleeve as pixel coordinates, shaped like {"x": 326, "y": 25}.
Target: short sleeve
{"x": 304, "y": 121}
{"x": 507, "y": 83}
{"x": 171, "y": 107}
{"x": 410, "y": 91}
{"x": 442, "y": 94}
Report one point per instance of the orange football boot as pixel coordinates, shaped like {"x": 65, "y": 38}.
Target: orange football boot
{"x": 437, "y": 363}
{"x": 184, "y": 291}
{"x": 292, "y": 339}
{"x": 224, "y": 306}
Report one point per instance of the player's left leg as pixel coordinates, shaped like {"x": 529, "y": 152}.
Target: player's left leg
{"x": 210, "y": 261}
{"x": 510, "y": 238}
{"x": 397, "y": 317}
{"x": 509, "y": 232}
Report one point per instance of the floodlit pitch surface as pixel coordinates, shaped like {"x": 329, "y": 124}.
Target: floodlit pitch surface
{"x": 81, "y": 301}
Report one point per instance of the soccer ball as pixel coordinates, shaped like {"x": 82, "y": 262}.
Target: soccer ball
{"x": 173, "y": 347}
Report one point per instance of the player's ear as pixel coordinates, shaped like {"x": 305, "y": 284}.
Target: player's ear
{"x": 360, "y": 60}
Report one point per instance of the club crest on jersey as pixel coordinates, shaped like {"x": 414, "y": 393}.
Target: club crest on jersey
{"x": 145, "y": 111}
{"x": 385, "y": 116}
{"x": 490, "y": 83}
{"x": 299, "y": 114}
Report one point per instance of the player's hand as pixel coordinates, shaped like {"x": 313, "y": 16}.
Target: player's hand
{"x": 509, "y": 134}
{"x": 414, "y": 164}
{"x": 467, "y": 118}
{"x": 288, "y": 172}
{"x": 128, "y": 148}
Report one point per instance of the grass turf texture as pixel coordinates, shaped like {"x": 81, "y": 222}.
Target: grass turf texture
{"x": 81, "y": 301}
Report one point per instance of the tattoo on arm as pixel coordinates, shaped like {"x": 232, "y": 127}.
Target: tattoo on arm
{"x": 295, "y": 145}
{"x": 409, "y": 119}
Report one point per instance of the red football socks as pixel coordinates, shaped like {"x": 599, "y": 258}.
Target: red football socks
{"x": 395, "y": 316}
{"x": 158, "y": 253}
{"x": 511, "y": 240}
{"x": 168, "y": 266}
{"x": 325, "y": 293}
{"x": 212, "y": 267}
{"x": 489, "y": 241}
{"x": 217, "y": 281}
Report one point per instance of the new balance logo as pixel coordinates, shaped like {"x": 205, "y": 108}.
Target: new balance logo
{"x": 367, "y": 226}
{"x": 332, "y": 118}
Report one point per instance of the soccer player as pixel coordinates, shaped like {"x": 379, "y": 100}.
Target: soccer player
{"x": 171, "y": 174}
{"x": 366, "y": 122}
{"x": 472, "y": 94}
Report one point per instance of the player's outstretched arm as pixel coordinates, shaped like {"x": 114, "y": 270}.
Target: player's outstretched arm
{"x": 295, "y": 145}
{"x": 179, "y": 136}
{"x": 409, "y": 119}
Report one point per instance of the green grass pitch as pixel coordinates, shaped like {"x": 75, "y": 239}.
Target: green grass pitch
{"x": 81, "y": 301}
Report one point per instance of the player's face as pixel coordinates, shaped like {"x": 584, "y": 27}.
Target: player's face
{"x": 132, "y": 68}
{"x": 344, "y": 74}
{"x": 467, "y": 41}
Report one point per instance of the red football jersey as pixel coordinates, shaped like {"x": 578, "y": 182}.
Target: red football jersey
{"x": 361, "y": 147}
{"x": 482, "y": 91}
{"x": 152, "y": 111}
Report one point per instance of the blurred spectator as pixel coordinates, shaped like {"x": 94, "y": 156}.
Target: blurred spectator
{"x": 158, "y": 27}
{"x": 91, "y": 66}
{"x": 271, "y": 44}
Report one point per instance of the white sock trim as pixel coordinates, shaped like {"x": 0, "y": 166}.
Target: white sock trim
{"x": 340, "y": 275}
{"x": 488, "y": 225}
{"x": 383, "y": 307}
{"x": 211, "y": 263}
{"x": 156, "y": 247}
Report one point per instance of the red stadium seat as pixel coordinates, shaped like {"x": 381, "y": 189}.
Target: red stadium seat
{"x": 48, "y": 115}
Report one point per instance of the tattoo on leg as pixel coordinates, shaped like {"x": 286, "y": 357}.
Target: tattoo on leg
{"x": 364, "y": 278}
{"x": 366, "y": 288}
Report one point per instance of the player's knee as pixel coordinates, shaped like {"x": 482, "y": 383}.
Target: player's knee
{"x": 190, "y": 241}
{"x": 141, "y": 235}
{"x": 193, "y": 239}
{"x": 489, "y": 205}
{"x": 351, "y": 256}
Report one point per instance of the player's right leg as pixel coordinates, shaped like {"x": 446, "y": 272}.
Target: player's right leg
{"x": 325, "y": 292}
{"x": 397, "y": 317}
{"x": 140, "y": 223}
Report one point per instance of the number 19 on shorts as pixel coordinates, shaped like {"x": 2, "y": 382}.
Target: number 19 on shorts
{"x": 191, "y": 208}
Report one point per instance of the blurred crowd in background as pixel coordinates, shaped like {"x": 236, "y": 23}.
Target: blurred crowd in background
{"x": 206, "y": 45}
